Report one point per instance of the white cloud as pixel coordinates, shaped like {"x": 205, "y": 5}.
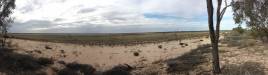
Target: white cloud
{"x": 74, "y": 14}
{"x": 185, "y": 8}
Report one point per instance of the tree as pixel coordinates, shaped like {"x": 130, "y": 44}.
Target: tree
{"x": 254, "y": 13}
{"x": 214, "y": 34}
{"x": 6, "y": 7}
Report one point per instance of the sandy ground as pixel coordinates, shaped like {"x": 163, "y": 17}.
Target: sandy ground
{"x": 104, "y": 57}
{"x": 169, "y": 59}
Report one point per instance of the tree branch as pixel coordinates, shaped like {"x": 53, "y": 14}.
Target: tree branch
{"x": 220, "y": 14}
{"x": 223, "y": 11}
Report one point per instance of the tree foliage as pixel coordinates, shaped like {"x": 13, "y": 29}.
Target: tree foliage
{"x": 254, "y": 13}
{"x": 6, "y": 7}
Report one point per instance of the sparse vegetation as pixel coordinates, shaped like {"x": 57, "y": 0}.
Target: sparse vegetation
{"x": 247, "y": 68}
{"x": 47, "y": 47}
{"x": 111, "y": 39}
{"x": 45, "y": 61}
{"x": 239, "y": 52}
{"x": 239, "y": 37}
{"x": 160, "y": 46}
{"x": 186, "y": 44}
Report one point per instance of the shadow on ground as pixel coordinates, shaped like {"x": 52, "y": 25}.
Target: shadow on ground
{"x": 19, "y": 64}
{"x": 197, "y": 62}
{"x": 13, "y": 63}
{"x": 189, "y": 61}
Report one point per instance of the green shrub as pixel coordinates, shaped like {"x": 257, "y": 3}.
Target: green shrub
{"x": 239, "y": 30}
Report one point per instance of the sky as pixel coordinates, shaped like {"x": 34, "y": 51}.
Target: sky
{"x": 112, "y": 16}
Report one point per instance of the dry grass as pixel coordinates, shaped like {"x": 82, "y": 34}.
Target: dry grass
{"x": 198, "y": 62}
{"x": 189, "y": 61}
{"x": 181, "y": 65}
{"x": 246, "y": 68}
{"x": 238, "y": 41}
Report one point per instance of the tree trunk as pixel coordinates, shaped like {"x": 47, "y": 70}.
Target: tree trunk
{"x": 213, "y": 38}
{"x": 215, "y": 60}
{"x": 3, "y": 39}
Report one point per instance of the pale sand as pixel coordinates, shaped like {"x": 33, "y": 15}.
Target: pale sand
{"x": 103, "y": 57}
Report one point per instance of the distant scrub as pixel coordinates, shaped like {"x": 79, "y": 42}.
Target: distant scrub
{"x": 112, "y": 39}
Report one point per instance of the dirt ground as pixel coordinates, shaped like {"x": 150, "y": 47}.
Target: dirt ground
{"x": 187, "y": 57}
{"x": 104, "y": 57}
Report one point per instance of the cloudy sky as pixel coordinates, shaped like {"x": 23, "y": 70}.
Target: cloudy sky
{"x": 112, "y": 16}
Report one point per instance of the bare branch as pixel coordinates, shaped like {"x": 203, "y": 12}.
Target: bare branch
{"x": 225, "y": 2}
{"x": 224, "y": 10}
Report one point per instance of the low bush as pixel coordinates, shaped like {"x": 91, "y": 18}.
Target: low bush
{"x": 45, "y": 61}
{"x": 160, "y": 46}
{"x": 124, "y": 69}
{"x": 77, "y": 69}
{"x": 136, "y": 53}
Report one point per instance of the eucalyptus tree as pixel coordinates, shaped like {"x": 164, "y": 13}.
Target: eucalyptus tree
{"x": 214, "y": 32}
{"x": 254, "y": 13}
{"x": 6, "y": 7}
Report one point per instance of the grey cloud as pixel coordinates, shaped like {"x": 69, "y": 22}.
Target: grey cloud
{"x": 26, "y": 9}
{"x": 35, "y": 4}
{"x": 114, "y": 14}
{"x": 30, "y": 6}
{"x": 116, "y": 17}
{"x": 93, "y": 28}
{"x": 38, "y": 23}
{"x": 86, "y": 10}
{"x": 27, "y": 26}
{"x": 58, "y": 19}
